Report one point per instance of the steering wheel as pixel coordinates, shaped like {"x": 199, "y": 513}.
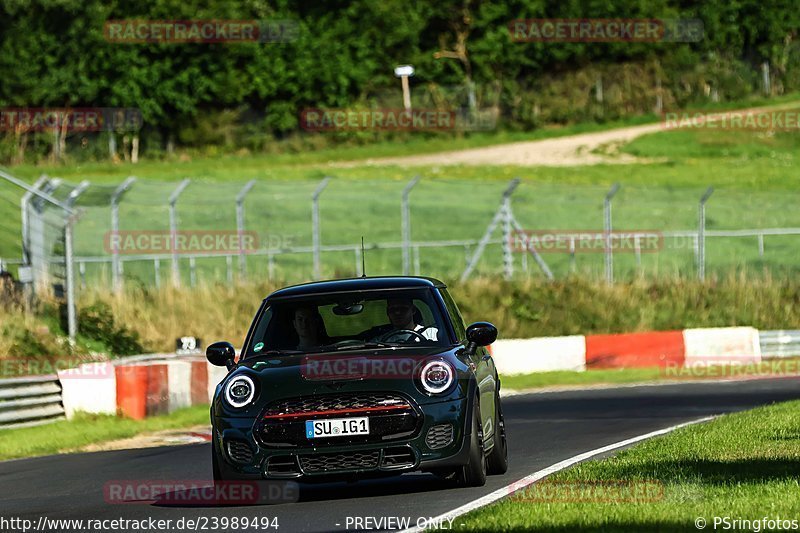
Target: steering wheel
{"x": 386, "y": 336}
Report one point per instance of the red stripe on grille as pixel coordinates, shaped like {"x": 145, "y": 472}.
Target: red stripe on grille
{"x": 339, "y": 411}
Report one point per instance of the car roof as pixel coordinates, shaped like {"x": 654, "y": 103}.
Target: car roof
{"x": 357, "y": 284}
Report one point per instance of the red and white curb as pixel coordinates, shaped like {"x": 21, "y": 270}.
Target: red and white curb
{"x": 666, "y": 349}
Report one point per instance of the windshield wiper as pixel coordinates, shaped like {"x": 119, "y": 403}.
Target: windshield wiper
{"x": 371, "y": 344}
{"x": 275, "y": 352}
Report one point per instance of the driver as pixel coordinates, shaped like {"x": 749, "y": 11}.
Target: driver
{"x": 403, "y": 315}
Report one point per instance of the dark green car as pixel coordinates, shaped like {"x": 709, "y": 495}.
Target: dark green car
{"x": 355, "y": 378}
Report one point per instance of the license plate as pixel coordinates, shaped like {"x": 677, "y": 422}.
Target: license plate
{"x": 337, "y": 427}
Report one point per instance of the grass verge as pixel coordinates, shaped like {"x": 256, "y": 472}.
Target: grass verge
{"x": 590, "y": 377}
{"x": 69, "y": 435}
{"x": 741, "y": 466}
{"x": 786, "y": 367}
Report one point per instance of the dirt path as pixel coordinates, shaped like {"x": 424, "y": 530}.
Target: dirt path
{"x": 581, "y": 149}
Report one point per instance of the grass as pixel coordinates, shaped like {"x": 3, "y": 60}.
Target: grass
{"x": 783, "y": 367}
{"x": 589, "y": 377}
{"x": 71, "y": 435}
{"x": 741, "y": 466}
{"x": 519, "y": 308}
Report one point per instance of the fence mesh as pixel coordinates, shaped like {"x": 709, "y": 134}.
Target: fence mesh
{"x": 744, "y": 231}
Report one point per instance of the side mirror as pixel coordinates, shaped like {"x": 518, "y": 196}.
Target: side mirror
{"x": 221, "y": 354}
{"x": 480, "y": 334}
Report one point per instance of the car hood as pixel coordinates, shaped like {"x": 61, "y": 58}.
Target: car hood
{"x": 291, "y": 376}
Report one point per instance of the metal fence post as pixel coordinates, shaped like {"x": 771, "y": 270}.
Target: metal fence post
{"x": 69, "y": 259}
{"x": 315, "y": 224}
{"x": 405, "y": 212}
{"x": 114, "y": 240}
{"x": 173, "y": 230}
{"x": 24, "y": 206}
{"x": 501, "y": 214}
{"x": 192, "y": 272}
{"x": 240, "y": 225}
{"x": 508, "y": 259}
{"x": 701, "y": 234}
{"x": 607, "y": 229}
{"x": 72, "y": 315}
{"x": 38, "y": 256}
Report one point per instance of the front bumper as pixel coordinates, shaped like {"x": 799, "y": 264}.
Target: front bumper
{"x": 429, "y": 447}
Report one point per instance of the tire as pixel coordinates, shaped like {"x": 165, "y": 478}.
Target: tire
{"x": 473, "y": 474}
{"x": 497, "y": 460}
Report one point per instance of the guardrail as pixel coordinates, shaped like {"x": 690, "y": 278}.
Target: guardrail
{"x": 30, "y": 401}
{"x": 779, "y": 343}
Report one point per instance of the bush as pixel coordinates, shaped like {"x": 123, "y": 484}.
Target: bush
{"x": 96, "y": 322}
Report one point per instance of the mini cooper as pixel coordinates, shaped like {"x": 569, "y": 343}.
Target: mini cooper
{"x": 354, "y": 378}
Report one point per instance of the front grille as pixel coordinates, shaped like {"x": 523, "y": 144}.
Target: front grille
{"x": 334, "y": 404}
{"x": 239, "y": 451}
{"x": 391, "y": 416}
{"x": 332, "y": 462}
{"x": 439, "y": 436}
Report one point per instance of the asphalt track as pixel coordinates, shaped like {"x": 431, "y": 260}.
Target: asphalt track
{"x": 543, "y": 429}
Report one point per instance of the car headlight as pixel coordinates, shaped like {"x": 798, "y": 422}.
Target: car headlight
{"x": 240, "y": 391}
{"x": 436, "y": 377}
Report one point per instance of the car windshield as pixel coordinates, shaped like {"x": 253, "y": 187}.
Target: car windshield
{"x": 349, "y": 321}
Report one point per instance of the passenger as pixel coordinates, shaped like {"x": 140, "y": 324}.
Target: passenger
{"x": 310, "y": 328}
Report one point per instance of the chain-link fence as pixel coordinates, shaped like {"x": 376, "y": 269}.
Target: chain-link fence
{"x": 186, "y": 233}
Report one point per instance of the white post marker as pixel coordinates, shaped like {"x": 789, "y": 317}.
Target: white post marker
{"x": 404, "y": 72}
